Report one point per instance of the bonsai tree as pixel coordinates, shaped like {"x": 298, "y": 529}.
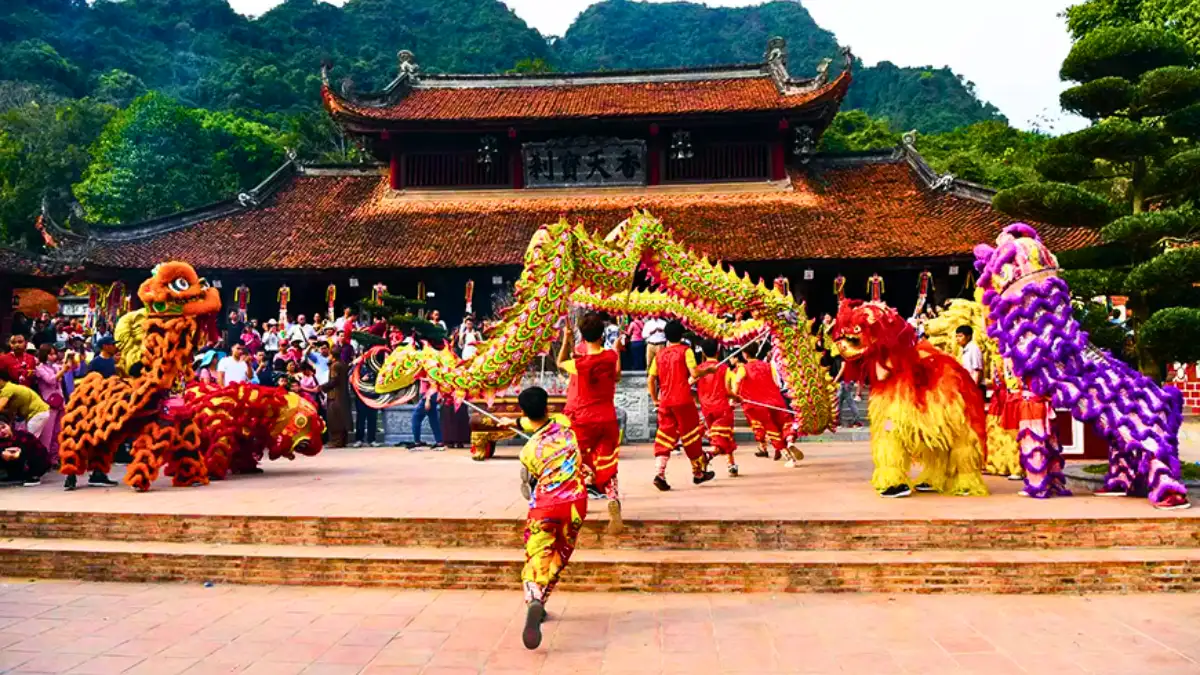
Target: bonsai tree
{"x": 401, "y": 313}
{"x": 1133, "y": 176}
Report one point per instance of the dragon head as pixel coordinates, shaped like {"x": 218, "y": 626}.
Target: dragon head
{"x": 1019, "y": 255}
{"x": 174, "y": 289}
{"x": 870, "y": 331}
{"x": 298, "y": 429}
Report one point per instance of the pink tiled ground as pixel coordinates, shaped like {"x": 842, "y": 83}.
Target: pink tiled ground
{"x": 56, "y": 627}
{"x": 832, "y": 484}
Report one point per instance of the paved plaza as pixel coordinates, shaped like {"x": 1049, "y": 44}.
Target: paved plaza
{"x": 832, "y": 483}
{"x": 94, "y": 628}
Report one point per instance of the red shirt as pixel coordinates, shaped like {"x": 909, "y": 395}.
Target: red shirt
{"x": 714, "y": 394}
{"x": 593, "y": 387}
{"x": 672, "y": 366}
{"x": 28, "y": 362}
{"x": 759, "y": 386}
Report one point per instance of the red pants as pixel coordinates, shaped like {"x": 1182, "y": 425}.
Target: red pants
{"x": 550, "y": 535}
{"x": 772, "y": 422}
{"x": 680, "y": 424}
{"x": 720, "y": 430}
{"x": 598, "y": 442}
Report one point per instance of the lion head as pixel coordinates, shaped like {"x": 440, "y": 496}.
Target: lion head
{"x": 297, "y": 429}
{"x": 1019, "y": 255}
{"x": 870, "y": 331}
{"x": 174, "y": 289}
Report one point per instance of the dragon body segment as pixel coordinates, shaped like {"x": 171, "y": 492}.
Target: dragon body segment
{"x": 566, "y": 264}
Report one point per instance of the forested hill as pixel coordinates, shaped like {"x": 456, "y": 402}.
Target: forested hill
{"x": 206, "y": 55}
{"x": 624, "y": 34}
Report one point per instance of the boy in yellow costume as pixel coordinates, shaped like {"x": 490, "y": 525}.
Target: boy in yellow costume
{"x": 552, "y": 480}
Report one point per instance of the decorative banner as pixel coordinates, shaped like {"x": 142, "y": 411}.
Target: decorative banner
{"x": 421, "y": 291}
{"x": 47, "y": 239}
{"x": 377, "y": 293}
{"x": 241, "y": 295}
{"x": 330, "y": 299}
{"x": 924, "y": 286}
{"x": 284, "y": 296}
{"x": 839, "y": 288}
{"x": 584, "y": 161}
{"x": 875, "y": 288}
{"x": 470, "y": 295}
{"x": 783, "y": 286}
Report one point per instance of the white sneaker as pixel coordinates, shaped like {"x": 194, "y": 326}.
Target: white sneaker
{"x": 790, "y": 464}
{"x": 356, "y": 444}
{"x": 1016, "y": 477}
{"x": 33, "y": 482}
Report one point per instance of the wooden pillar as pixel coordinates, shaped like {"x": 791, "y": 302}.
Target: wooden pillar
{"x": 395, "y": 163}
{"x": 516, "y": 164}
{"x": 778, "y": 163}
{"x": 654, "y": 158}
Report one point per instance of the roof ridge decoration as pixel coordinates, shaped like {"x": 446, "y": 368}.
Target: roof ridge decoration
{"x": 775, "y": 62}
{"x": 944, "y": 183}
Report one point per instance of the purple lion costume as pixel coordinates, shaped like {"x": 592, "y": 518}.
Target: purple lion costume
{"x": 1029, "y": 314}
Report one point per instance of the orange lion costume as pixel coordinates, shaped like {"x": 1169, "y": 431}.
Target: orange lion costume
{"x": 241, "y": 422}
{"x": 103, "y": 413}
{"x": 924, "y": 407}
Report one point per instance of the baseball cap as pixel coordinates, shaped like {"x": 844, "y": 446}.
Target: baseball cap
{"x": 105, "y": 341}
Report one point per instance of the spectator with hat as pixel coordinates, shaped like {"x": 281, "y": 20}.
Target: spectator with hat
{"x": 105, "y": 362}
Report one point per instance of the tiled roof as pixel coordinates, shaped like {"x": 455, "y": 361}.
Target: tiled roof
{"x": 574, "y": 101}
{"x": 854, "y": 210}
{"x": 21, "y": 263}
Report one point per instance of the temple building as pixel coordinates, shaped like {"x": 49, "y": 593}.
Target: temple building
{"x": 469, "y": 166}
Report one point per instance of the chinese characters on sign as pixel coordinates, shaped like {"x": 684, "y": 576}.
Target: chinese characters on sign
{"x": 584, "y": 161}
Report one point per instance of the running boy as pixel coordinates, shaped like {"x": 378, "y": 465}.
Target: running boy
{"x": 552, "y": 480}
{"x": 713, "y": 386}
{"x": 669, "y": 382}
{"x": 763, "y": 402}
{"x": 594, "y": 377}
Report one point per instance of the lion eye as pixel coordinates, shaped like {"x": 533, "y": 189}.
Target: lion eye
{"x": 179, "y": 285}
{"x": 301, "y": 421}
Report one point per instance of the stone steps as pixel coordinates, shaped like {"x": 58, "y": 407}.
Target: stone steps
{"x": 967, "y": 571}
{"x": 639, "y": 535}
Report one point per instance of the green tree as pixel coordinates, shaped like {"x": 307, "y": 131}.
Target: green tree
{"x": 158, "y": 157}
{"x": 43, "y": 150}
{"x": 1132, "y": 175}
{"x": 989, "y": 153}
{"x": 856, "y": 131}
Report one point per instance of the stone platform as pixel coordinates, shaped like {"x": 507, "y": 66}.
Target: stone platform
{"x": 426, "y": 519}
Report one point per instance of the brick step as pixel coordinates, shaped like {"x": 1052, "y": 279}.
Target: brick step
{"x": 722, "y": 535}
{"x": 967, "y": 571}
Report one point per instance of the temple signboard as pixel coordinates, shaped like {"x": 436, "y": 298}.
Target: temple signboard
{"x": 592, "y": 162}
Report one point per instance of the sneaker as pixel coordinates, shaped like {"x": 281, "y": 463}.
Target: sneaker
{"x": 704, "y": 477}
{"x": 593, "y": 493}
{"x": 1023, "y": 493}
{"x": 33, "y": 482}
{"x": 924, "y": 487}
{"x": 526, "y": 483}
{"x": 896, "y": 491}
{"x": 70, "y": 483}
{"x": 1016, "y": 476}
{"x": 661, "y": 483}
{"x": 535, "y": 612}
{"x": 677, "y": 451}
{"x": 733, "y": 471}
{"x": 1173, "y": 502}
{"x": 797, "y": 453}
{"x": 439, "y": 446}
{"x": 356, "y": 444}
{"x": 98, "y": 479}
{"x": 778, "y": 455}
{"x": 790, "y": 464}
{"x": 376, "y": 444}
{"x": 1105, "y": 492}
{"x": 762, "y": 453}
{"x": 615, "y": 524}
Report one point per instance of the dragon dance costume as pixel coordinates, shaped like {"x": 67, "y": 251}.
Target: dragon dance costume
{"x": 678, "y": 421}
{"x": 593, "y": 417}
{"x": 757, "y": 386}
{"x": 557, "y": 507}
{"x": 714, "y": 389}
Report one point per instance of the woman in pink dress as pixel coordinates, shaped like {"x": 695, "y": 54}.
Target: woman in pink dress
{"x": 48, "y": 377}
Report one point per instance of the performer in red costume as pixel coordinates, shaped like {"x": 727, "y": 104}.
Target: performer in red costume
{"x": 669, "y": 381}
{"x": 713, "y": 386}
{"x": 594, "y": 376}
{"x": 758, "y": 390}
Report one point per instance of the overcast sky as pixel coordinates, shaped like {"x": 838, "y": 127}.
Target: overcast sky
{"x": 1011, "y": 50}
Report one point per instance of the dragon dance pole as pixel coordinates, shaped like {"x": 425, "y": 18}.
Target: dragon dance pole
{"x": 495, "y": 419}
{"x": 743, "y": 348}
{"x": 765, "y": 405}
